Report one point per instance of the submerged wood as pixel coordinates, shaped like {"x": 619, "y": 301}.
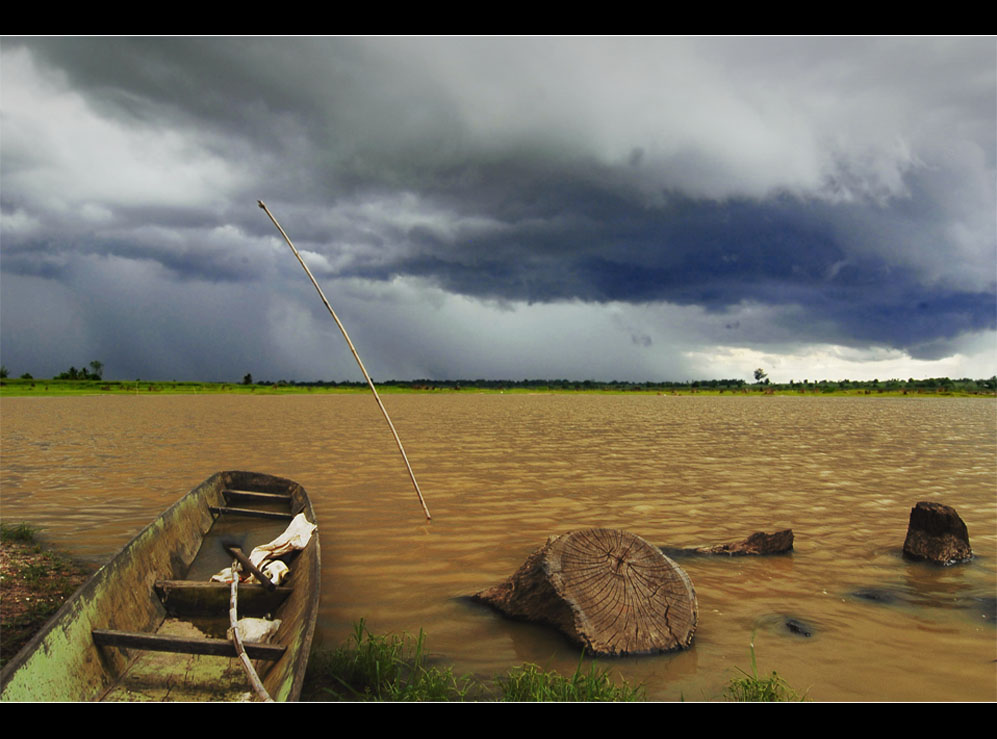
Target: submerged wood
{"x": 758, "y": 543}
{"x": 64, "y": 661}
{"x": 936, "y": 533}
{"x": 605, "y": 589}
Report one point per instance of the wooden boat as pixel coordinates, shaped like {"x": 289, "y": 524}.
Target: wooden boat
{"x": 150, "y": 626}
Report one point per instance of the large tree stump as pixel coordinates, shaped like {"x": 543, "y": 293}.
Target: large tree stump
{"x": 605, "y": 589}
{"x": 937, "y": 533}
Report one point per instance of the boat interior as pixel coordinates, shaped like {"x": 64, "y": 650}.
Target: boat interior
{"x": 189, "y": 656}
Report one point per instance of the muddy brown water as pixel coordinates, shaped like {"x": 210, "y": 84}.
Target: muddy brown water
{"x": 501, "y": 473}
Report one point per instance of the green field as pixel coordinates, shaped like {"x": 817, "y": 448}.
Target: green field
{"x": 934, "y": 387}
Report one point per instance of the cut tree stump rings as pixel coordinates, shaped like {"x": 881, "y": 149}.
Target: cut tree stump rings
{"x": 605, "y": 589}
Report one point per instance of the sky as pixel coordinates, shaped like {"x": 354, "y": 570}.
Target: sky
{"x": 502, "y": 208}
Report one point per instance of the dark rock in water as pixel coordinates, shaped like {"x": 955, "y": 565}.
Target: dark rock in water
{"x": 877, "y": 595}
{"x": 937, "y": 534}
{"x": 784, "y": 624}
{"x": 605, "y": 589}
{"x": 758, "y": 543}
{"x": 799, "y": 628}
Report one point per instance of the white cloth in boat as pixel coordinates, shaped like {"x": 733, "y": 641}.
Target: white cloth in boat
{"x": 296, "y": 536}
{"x": 255, "y": 629}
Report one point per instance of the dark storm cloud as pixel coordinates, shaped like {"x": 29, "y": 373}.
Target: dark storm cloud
{"x": 235, "y": 84}
{"x": 598, "y": 247}
{"x": 848, "y": 184}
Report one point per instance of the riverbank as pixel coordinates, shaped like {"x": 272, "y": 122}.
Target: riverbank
{"x": 34, "y": 583}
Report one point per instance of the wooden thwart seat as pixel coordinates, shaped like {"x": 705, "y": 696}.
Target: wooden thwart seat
{"x": 249, "y": 496}
{"x": 182, "y": 645}
{"x": 250, "y": 512}
{"x": 191, "y": 598}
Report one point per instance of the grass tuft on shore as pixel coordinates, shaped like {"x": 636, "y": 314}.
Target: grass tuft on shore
{"x": 17, "y": 532}
{"x": 530, "y": 683}
{"x": 753, "y": 689}
{"x": 394, "y": 668}
{"x": 381, "y": 668}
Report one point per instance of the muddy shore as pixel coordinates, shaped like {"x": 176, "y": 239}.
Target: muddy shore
{"x": 35, "y": 581}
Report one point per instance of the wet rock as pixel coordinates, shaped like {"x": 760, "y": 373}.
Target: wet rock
{"x": 785, "y": 624}
{"x": 937, "y": 534}
{"x": 795, "y": 626}
{"x": 758, "y": 543}
{"x": 877, "y": 595}
{"x": 607, "y": 590}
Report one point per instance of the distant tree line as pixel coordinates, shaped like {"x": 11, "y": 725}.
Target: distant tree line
{"x": 763, "y": 384}
{"x": 527, "y": 384}
{"x": 95, "y": 373}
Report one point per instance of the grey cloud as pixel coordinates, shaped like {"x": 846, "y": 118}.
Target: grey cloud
{"x": 846, "y": 183}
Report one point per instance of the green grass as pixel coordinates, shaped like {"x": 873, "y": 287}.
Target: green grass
{"x": 382, "y": 668}
{"x": 753, "y": 689}
{"x": 33, "y": 573}
{"x": 17, "y": 532}
{"x": 394, "y": 668}
{"x": 530, "y": 683}
{"x": 14, "y": 387}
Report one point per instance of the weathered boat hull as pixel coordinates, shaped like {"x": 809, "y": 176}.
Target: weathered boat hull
{"x": 63, "y": 662}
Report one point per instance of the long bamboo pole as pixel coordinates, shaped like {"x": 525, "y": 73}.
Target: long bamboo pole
{"x": 356, "y": 356}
